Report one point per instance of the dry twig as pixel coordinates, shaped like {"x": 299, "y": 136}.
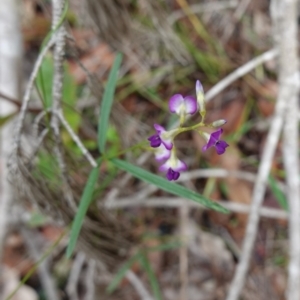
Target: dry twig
{"x": 31, "y": 240}
{"x": 58, "y": 58}
{"x": 74, "y": 276}
{"x": 286, "y": 91}
{"x": 171, "y": 202}
{"x": 29, "y": 87}
{"x": 240, "y": 72}
{"x": 238, "y": 14}
{"x": 289, "y": 85}
{"x": 90, "y": 280}
{"x": 10, "y": 70}
{"x": 138, "y": 285}
{"x": 77, "y": 140}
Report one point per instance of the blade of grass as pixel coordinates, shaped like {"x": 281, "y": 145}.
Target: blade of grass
{"x": 121, "y": 273}
{"x": 279, "y": 195}
{"x": 166, "y": 185}
{"x": 107, "y": 102}
{"x": 151, "y": 275}
{"x": 84, "y": 204}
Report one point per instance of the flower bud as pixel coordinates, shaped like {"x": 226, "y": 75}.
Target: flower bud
{"x": 205, "y": 135}
{"x": 200, "y": 97}
{"x": 218, "y": 123}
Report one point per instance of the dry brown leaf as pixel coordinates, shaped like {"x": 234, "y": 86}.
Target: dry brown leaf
{"x": 233, "y": 113}
{"x": 15, "y": 255}
{"x": 51, "y": 232}
{"x": 238, "y": 190}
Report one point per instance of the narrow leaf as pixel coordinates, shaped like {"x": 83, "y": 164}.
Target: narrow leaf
{"x": 107, "y": 102}
{"x": 167, "y": 186}
{"x": 279, "y": 195}
{"x": 151, "y": 276}
{"x": 84, "y": 204}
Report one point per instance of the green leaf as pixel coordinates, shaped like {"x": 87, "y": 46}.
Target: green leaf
{"x": 151, "y": 276}
{"x": 37, "y": 220}
{"x": 107, "y": 102}
{"x": 166, "y": 185}
{"x": 279, "y": 195}
{"x": 121, "y": 273}
{"x": 4, "y": 120}
{"x": 84, "y": 204}
{"x": 44, "y": 81}
{"x": 69, "y": 99}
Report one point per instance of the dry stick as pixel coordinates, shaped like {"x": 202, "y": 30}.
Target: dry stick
{"x": 238, "y": 14}
{"x": 289, "y": 85}
{"x": 90, "y": 280}
{"x": 138, "y": 285}
{"x": 260, "y": 184}
{"x": 58, "y": 58}
{"x": 29, "y": 87}
{"x": 239, "y": 72}
{"x": 77, "y": 140}
{"x": 187, "y": 176}
{"x": 257, "y": 198}
{"x": 10, "y": 70}
{"x": 43, "y": 268}
{"x": 139, "y": 198}
{"x": 38, "y": 144}
{"x": 172, "y": 202}
{"x": 74, "y": 276}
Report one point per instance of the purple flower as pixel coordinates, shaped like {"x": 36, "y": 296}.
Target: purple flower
{"x": 162, "y": 153}
{"x": 173, "y": 166}
{"x": 162, "y": 137}
{"x": 154, "y": 140}
{"x": 214, "y": 141}
{"x": 183, "y": 105}
{"x": 172, "y": 175}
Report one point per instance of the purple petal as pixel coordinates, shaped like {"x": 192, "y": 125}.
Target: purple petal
{"x": 159, "y": 129}
{"x": 164, "y": 167}
{"x": 176, "y": 175}
{"x": 221, "y": 147}
{"x": 180, "y": 166}
{"x": 216, "y": 135}
{"x": 175, "y": 102}
{"x": 190, "y": 105}
{"x": 155, "y": 141}
{"x": 211, "y": 142}
{"x": 169, "y": 174}
{"x": 172, "y": 175}
{"x": 162, "y": 153}
{"x": 168, "y": 144}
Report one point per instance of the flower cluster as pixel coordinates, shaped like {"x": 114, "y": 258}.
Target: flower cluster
{"x": 162, "y": 142}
